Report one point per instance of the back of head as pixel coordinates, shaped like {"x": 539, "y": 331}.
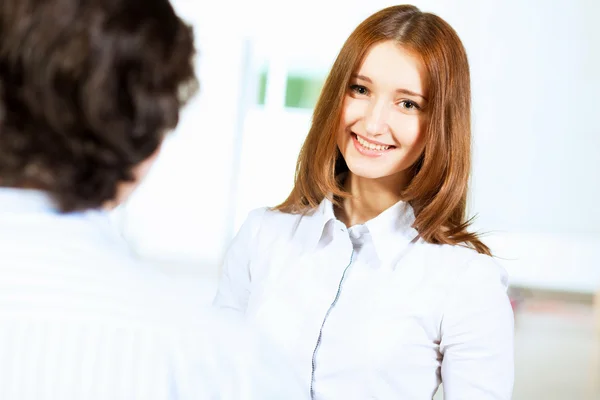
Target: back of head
{"x": 88, "y": 90}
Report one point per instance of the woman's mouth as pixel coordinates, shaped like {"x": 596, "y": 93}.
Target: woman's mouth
{"x": 369, "y": 148}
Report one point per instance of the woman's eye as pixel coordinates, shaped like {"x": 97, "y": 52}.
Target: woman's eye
{"x": 359, "y": 89}
{"x": 409, "y": 105}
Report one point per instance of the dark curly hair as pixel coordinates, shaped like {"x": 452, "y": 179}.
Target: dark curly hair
{"x": 88, "y": 89}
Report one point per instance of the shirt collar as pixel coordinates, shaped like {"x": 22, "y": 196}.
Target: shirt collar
{"x": 38, "y": 206}
{"x": 311, "y": 226}
{"x": 391, "y": 231}
{"x": 19, "y": 201}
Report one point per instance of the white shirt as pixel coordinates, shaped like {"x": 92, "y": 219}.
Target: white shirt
{"x": 368, "y": 313}
{"x": 81, "y": 319}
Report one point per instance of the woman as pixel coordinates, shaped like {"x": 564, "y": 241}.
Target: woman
{"x": 367, "y": 274}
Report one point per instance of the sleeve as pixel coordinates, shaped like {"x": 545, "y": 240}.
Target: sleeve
{"x": 234, "y": 284}
{"x": 477, "y": 335}
{"x": 223, "y": 358}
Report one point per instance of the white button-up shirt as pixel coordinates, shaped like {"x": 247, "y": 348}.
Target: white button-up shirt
{"x": 81, "y": 319}
{"x": 373, "y": 312}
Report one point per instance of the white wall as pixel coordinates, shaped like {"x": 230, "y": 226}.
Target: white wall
{"x": 537, "y": 141}
{"x": 535, "y": 84}
{"x": 181, "y": 212}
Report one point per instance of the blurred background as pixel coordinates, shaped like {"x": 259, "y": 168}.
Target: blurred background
{"x": 535, "y": 186}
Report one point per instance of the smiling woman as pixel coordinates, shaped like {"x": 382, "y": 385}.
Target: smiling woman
{"x": 367, "y": 274}
{"x": 383, "y": 115}
{"x": 420, "y": 66}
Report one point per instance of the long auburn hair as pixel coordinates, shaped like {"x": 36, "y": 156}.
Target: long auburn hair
{"x": 439, "y": 179}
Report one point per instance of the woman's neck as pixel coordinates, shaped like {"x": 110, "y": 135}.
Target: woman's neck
{"x": 369, "y": 197}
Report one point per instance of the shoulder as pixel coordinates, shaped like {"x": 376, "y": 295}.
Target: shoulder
{"x": 454, "y": 264}
{"x": 270, "y": 224}
{"x": 472, "y": 284}
{"x": 127, "y": 291}
{"x": 269, "y": 218}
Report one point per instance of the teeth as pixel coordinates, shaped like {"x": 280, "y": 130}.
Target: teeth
{"x": 371, "y": 146}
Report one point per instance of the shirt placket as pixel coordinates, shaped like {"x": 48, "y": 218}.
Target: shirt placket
{"x": 341, "y": 235}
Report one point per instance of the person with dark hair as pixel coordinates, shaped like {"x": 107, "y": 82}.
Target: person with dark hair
{"x": 88, "y": 91}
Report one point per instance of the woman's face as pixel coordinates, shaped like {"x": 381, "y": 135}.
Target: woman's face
{"x": 383, "y": 116}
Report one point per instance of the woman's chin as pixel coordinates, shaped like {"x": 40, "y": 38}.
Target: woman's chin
{"x": 367, "y": 172}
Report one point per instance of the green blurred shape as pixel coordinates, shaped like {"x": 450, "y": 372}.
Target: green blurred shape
{"x": 302, "y": 91}
{"x": 263, "y": 79}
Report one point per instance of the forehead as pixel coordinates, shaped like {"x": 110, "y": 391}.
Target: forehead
{"x": 391, "y": 66}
